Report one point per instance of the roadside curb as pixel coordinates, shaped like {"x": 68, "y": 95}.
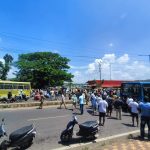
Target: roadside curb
{"x": 106, "y": 139}
{"x": 31, "y": 104}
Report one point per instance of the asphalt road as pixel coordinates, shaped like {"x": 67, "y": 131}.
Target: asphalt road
{"x": 50, "y": 121}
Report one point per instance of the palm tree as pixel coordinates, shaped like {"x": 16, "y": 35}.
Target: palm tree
{"x": 6, "y": 66}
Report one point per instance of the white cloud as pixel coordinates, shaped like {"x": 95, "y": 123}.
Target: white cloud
{"x": 91, "y": 67}
{"x": 10, "y": 73}
{"x": 109, "y": 58}
{"x": 2, "y": 60}
{"x": 12, "y": 70}
{"x": 78, "y": 77}
{"x": 123, "y": 59}
{"x": 77, "y": 73}
{"x": 122, "y": 68}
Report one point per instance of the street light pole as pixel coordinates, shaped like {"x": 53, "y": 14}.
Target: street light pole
{"x": 100, "y": 71}
{"x": 110, "y": 70}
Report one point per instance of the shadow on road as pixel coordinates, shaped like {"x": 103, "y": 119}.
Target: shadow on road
{"x": 126, "y": 115}
{"x": 91, "y": 112}
{"x": 128, "y": 125}
{"x": 70, "y": 109}
{"x": 76, "y": 113}
{"x": 137, "y": 137}
{"x": 77, "y": 140}
{"x": 112, "y": 118}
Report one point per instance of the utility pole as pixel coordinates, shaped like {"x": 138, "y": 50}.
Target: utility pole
{"x": 110, "y": 70}
{"x": 146, "y": 55}
{"x": 100, "y": 71}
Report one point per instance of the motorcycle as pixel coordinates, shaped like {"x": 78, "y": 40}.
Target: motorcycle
{"x": 21, "y": 98}
{"x": 19, "y": 139}
{"x": 87, "y": 130}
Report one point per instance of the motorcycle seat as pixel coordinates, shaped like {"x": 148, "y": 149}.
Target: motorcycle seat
{"x": 16, "y": 135}
{"x": 88, "y": 124}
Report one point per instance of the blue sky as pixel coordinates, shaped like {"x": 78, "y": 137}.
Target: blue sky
{"x": 92, "y": 28}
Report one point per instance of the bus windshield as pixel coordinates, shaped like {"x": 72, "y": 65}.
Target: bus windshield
{"x": 138, "y": 90}
{"x": 132, "y": 90}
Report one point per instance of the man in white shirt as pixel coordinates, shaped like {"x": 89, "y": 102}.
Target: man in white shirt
{"x": 129, "y": 100}
{"x": 102, "y": 106}
{"x": 134, "y": 111}
{"x": 63, "y": 100}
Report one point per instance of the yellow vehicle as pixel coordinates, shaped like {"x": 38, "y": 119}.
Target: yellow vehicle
{"x": 15, "y": 88}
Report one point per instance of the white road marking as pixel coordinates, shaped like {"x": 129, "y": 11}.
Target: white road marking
{"x": 97, "y": 140}
{"x": 34, "y": 119}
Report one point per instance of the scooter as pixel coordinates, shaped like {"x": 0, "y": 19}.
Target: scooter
{"x": 87, "y": 130}
{"x": 19, "y": 139}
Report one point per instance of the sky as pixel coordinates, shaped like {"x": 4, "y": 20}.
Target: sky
{"x": 112, "y": 33}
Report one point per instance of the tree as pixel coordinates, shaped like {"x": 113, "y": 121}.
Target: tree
{"x": 43, "y": 69}
{"x": 4, "y": 68}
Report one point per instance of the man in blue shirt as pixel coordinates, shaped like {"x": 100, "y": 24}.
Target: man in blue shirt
{"x": 144, "y": 108}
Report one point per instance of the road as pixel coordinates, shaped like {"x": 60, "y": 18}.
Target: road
{"x": 51, "y": 121}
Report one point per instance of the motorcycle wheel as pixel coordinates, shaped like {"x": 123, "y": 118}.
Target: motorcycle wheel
{"x": 26, "y": 145}
{"x": 65, "y": 137}
{"x": 90, "y": 137}
{"x": 4, "y": 145}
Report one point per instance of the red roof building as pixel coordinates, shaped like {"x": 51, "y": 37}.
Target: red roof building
{"x": 105, "y": 83}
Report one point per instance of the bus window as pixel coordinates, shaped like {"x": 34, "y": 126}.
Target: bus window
{"x": 1, "y": 86}
{"x": 7, "y": 86}
{"x": 27, "y": 87}
{"x": 20, "y": 86}
{"x": 132, "y": 90}
{"x": 15, "y": 86}
{"x": 136, "y": 90}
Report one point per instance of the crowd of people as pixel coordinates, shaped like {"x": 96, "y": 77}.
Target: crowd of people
{"x": 49, "y": 93}
{"x": 103, "y": 102}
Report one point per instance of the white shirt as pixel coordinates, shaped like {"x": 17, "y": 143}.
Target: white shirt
{"x": 134, "y": 107}
{"x": 99, "y": 99}
{"x": 129, "y": 100}
{"x": 52, "y": 92}
{"x": 102, "y": 106}
{"x": 63, "y": 97}
{"x": 83, "y": 95}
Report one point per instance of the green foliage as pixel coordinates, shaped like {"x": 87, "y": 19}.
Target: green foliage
{"x": 43, "y": 69}
{"x": 4, "y": 68}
